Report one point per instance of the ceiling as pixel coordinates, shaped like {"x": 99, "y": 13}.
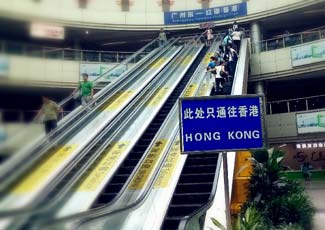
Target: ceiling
{"x": 99, "y": 39}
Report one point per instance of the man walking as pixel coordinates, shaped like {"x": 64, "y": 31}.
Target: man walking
{"x": 86, "y": 88}
{"x": 162, "y": 37}
{"x": 50, "y": 112}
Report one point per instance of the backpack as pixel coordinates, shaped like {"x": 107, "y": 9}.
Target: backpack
{"x": 227, "y": 40}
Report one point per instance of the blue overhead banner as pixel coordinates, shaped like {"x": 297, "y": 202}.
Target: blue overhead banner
{"x": 206, "y": 15}
{"x": 224, "y": 123}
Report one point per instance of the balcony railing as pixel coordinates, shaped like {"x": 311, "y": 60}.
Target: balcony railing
{"x": 15, "y": 48}
{"x": 288, "y": 40}
{"x": 295, "y": 105}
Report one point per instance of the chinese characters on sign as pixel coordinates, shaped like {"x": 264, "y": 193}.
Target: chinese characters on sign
{"x": 221, "y": 123}
{"x": 205, "y": 15}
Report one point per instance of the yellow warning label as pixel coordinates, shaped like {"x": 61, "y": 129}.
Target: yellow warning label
{"x": 206, "y": 59}
{"x": 190, "y": 90}
{"x": 103, "y": 166}
{"x": 148, "y": 165}
{"x": 118, "y": 99}
{"x": 203, "y": 89}
{"x": 157, "y": 97}
{"x": 158, "y": 63}
{"x": 168, "y": 169}
{"x": 43, "y": 171}
{"x": 187, "y": 60}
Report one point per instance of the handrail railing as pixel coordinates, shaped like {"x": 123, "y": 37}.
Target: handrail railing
{"x": 29, "y": 209}
{"x": 128, "y": 207}
{"x": 193, "y": 222}
{"x": 31, "y": 50}
{"x": 296, "y": 104}
{"x": 124, "y": 62}
{"x": 287, "y": 40}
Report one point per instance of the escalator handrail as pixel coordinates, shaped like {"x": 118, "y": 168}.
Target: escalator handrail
{"x": 8, "y": 171}
{"x": 126, "y": 61}
{"x": 186, "y": 221}
{"x": 143, "y": 196}
{"x": 22, "y": 211}
{"x": 89, "y": 214}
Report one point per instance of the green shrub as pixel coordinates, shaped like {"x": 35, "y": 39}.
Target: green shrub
{"x": 274, "y": 203}
{"x": 251, "y": 219}
{"x": 294, "y": 208}
{"x": 282, "y": 202}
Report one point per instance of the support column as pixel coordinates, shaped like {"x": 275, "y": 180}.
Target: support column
{"x": 256, "y": 37}
{"x": 205, "y": 4}
{"x": 260, "y": 87}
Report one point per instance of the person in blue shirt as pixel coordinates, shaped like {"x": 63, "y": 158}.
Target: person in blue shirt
{"x": 211, "y": 68}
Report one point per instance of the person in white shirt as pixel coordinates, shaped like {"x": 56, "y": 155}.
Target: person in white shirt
{"x": 162, "y": 38}
{"x": 235, "y": 26}
{"x": 236, "y": 37}
{"x": 233, "y": 56}
{"x": 209, "y": 36}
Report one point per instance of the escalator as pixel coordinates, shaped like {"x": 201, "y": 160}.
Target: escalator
{"x": 24, "y": 158}
{"x": 132, "y": 160}
{"x": 117, "y": 182}
{"x": 60, "y": 155}
{"x": 195, "y": 187}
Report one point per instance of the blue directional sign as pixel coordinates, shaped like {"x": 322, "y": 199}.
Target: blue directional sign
{"x": 206, "y": 15}
{"x": 223, "y": 123}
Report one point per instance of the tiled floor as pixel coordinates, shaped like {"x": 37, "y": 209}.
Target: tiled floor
{"x": 316, "y": 191}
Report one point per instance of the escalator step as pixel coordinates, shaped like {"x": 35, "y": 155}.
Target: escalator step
{"x": 190, "y": 198}
{"x": 171, "y": 222}
{"x": 120, "y": 178}
{"x": 205, "y": 155}
{"x": 202, "y": 161}
{"x": 182, "y": 209}
{"x": 193, "y": 187}
{"x": 105, "y": 198}
{"x": 188, "y": 178}
{"x": 126, "y": 170}
{"x": 130, "y": 163}
{"x": 198, "y": 169}
{"x": 113, "y": 188}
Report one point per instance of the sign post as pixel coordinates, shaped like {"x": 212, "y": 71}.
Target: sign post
{"x": 226, "y": 189}
{"x": 221, "y": 124}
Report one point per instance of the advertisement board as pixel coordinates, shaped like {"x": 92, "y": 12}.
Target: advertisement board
{"x": 205, "y": 15}
{"x": 42, "y": 30}
{"x": 95, "y": 70}
{"x": 312, "y": 122}
{"x": 221, "y": 123}
{"x": 308, "y": 53}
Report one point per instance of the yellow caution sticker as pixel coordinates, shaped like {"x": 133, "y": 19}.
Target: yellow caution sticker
{"x": 45, "y": 168}
{"x": 157, "y": 97}
{"x": 148, "y": 165}
{"x": 190, "y": 90}
{"x": 203, "y": 89}
{"x": 206, "y": 59}
{"x": 158, "y": 63}
{"x": 168, "y": 169}
{"x": 187, "y": 60}
{"x": 118, "y": 99}
{"x": 96, "y": 176}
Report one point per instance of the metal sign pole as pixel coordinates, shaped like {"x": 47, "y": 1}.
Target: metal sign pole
{"x": 226, "y": 188}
